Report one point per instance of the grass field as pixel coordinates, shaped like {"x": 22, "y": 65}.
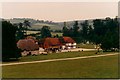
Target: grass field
{"x": 54, "y": 34}
{"x": 32, "y": 32}
{"x": 57, "y": 56}
{"x": 101, "y": 67}
{"x": 87, "y": 46}
{"x": 52, "y": 26}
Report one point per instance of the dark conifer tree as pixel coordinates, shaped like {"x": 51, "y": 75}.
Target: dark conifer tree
{"x": 9, "y": 46}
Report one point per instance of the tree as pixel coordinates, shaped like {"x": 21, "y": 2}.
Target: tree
{"x": 45, "y": 32}
{"x": 9, "y": 47}
{"x": 111, "y": 38}
{"x": 90, "y": 33}
{"x": 26, "y": 25}
{"x": 76, "y": 29}
{"x": 65, "y": 30}
{"x": 20, "y": 31}
{"x": 84, "y": 31}
{"x": 99, "y": 30}
{"x": 106, "y": 33}
{"x": 116, "y": 33}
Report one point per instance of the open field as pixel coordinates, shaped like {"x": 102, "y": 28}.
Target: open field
{"x": 32, "y": 32}
{"x": 57, "y": 56}
{"x": 87, "y": 46}
{"x": 52, "y": 26}
{"x": 54, "y": 33}
{"x": 99, "y": 67}
{"x": 61, "y": 59}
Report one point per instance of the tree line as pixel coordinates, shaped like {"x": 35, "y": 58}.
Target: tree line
{"x": 104, "y": 32}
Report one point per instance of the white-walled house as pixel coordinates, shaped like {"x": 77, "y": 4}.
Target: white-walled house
{"x": 69, "y": 43}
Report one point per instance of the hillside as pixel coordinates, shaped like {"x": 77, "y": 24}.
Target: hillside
{"x": 36, "y": 24}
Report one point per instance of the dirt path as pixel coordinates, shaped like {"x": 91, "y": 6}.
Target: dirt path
{"x": 62, "y": 59}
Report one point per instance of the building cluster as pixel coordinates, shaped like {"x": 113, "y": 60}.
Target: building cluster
{"x": 30, "y": 44}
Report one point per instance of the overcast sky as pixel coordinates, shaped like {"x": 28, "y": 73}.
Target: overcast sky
{"x": 59, "y": 11}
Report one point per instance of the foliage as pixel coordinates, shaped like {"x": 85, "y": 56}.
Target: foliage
{"x": 9, "y": 47}
{"x": 26, "y": 24}
{"x": 84, "y": 31}
{"x": 76, "y": 29}
{"x": 65, "y": 30}
{"x": 103, "y": 31}
{"x": 111, "y": 38}
{"x": 20, "y": 31}
{"x": 22, "y": 28}
{"x": 45, "y": 32}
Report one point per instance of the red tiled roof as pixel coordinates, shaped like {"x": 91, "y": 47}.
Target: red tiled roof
{"x": 50, "y": 42}
{"x": 47, "y": 42}
{"x": 68, "y": 40}
{"x": 53, "y": 41}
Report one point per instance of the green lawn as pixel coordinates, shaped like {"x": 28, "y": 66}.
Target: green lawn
{"x": 54, "y": 34}
{"x": 101, "y": 67}
{"x": 32, "y": 32}
{"x": 87, "y": 46}
{"x": 52, "y": 26}
{"x": 57, "y": 56}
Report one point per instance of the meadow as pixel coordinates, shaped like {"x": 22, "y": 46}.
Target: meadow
{"x": 100, "y": 67}
{"x": 40, "y": 25}
{"x": 32, "y": 32}
{"x": 55, "y": 33}
{"x": 87, "y": 46}
{"x": 57, "y": 56}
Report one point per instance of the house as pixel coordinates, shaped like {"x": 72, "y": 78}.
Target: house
{"x": 57, "y": 44}
{"x": 68, "y": 43}
{"x": 50, "y": 44}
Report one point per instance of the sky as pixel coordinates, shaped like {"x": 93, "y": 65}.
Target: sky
{"x": 59, "y": 11}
